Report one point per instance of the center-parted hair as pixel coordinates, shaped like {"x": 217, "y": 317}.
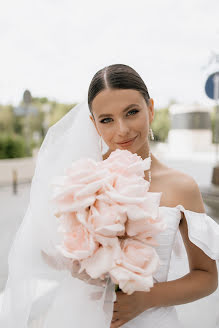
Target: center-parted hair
{"x": 116, "y": 76}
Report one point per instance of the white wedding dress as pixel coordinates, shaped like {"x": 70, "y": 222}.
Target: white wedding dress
{"x": 203, "y": 231}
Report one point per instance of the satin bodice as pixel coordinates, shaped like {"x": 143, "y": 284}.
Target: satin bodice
{"x": 166, "y": 239}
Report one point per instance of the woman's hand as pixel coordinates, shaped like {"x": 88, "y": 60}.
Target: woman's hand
{"x": 59, "y": 262}
{"x": 127, "y": 307}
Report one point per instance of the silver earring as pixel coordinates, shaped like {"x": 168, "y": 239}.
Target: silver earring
{"x": 151, "y": 134}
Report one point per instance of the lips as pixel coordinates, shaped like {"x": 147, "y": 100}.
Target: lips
{"x": 126, "y": 141}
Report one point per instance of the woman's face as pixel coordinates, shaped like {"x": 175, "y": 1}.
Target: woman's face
{"x": 121, "y": 115}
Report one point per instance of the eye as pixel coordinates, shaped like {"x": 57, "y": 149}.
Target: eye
{"x": 133, "y": 111}
{"x": 103, "y": 121}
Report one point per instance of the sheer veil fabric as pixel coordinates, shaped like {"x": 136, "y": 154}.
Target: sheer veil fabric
{"x": 71, "y": 138}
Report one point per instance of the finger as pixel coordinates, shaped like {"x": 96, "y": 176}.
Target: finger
{"x": 96, "y": 296}
{"x": 115, "y": 316}
{"x": 113, "y": 324}
{"x": 87, "y": 279}
{"x": 120, "y": 323}
{"x": 57, "y": 214}
{"x": 97, "y": 282}
{"x": 117, "y": 323}
{"x": 116, "y": 307}
{"x": 75, "y": 266}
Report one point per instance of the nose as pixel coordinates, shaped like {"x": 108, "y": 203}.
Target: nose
{"x": 122, "y": 128}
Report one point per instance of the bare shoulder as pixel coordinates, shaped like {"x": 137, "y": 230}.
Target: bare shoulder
{"x": 186, "y": 190}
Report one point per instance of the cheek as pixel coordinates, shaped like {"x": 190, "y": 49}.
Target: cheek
{"x": 144, "y": 129}
{"x": 106, "y": 132}
{"x": 142, "y": 126}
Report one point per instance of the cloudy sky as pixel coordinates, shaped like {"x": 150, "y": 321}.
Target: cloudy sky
{"x": 54, "y": 47}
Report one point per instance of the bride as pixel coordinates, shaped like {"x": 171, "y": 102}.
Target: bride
{"x": 40, "y": 292}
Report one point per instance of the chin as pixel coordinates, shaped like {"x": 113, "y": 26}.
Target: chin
{"x": 131, "y": 149}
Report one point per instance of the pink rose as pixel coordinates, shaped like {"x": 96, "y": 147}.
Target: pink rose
{"x": 102, "y": 260}
{"x": 106, "y": 220}
{"x": 134, "y": 269}
{"x": 145, "y": 230}
{"x": 126, "y": 191}
{"x": 143, "y": 221}
{"x": 123, "y": 162}
{"x": 77, "y": 189}
{"x": 148, "y": 208}
{"x": 77, "y": 243}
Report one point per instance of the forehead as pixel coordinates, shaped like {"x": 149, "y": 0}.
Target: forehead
{"x": 113, "y": 100}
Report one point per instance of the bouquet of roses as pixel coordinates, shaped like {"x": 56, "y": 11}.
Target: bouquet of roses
{"x": 109, "y": 220}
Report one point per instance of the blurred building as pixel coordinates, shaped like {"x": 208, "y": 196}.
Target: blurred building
{"x": 190, "y": 128}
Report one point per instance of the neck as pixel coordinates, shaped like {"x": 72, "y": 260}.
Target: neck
{"x": 144, "y": 153}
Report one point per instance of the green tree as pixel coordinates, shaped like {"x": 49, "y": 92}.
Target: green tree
{"x": 58, "y": 111}
{"x": 16, "y": 131}
{"x": 6, "y": 119}
{"x": 13, "y": 146}
{"x": 161, "y": 124}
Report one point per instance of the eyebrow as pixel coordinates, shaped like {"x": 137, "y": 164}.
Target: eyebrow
{"x": 124, "y": 110}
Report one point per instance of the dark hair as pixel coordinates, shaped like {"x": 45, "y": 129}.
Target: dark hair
{"x": 116, "y": 76}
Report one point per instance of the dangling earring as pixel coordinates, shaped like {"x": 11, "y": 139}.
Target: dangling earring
{"x": 151, "y": 134}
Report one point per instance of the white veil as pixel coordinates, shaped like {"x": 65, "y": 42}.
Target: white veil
{"x": 42, "y": 295}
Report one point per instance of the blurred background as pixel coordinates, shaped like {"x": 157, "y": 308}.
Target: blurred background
{"x": 50, "y": 50}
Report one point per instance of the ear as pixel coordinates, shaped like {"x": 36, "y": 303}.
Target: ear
{"x": 94, "y": 123}
{"x": 151, "y": 110}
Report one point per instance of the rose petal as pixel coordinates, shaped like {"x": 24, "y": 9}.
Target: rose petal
{"x": 117, "y": 197}
{"x": 76, "y": 205}
{"x": 130, "y": 282}
{"x": 101, "y": 262}
{"x": 111, "y": 230}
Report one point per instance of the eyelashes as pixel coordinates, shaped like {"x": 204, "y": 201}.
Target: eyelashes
{"x": 135, "y": 111}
